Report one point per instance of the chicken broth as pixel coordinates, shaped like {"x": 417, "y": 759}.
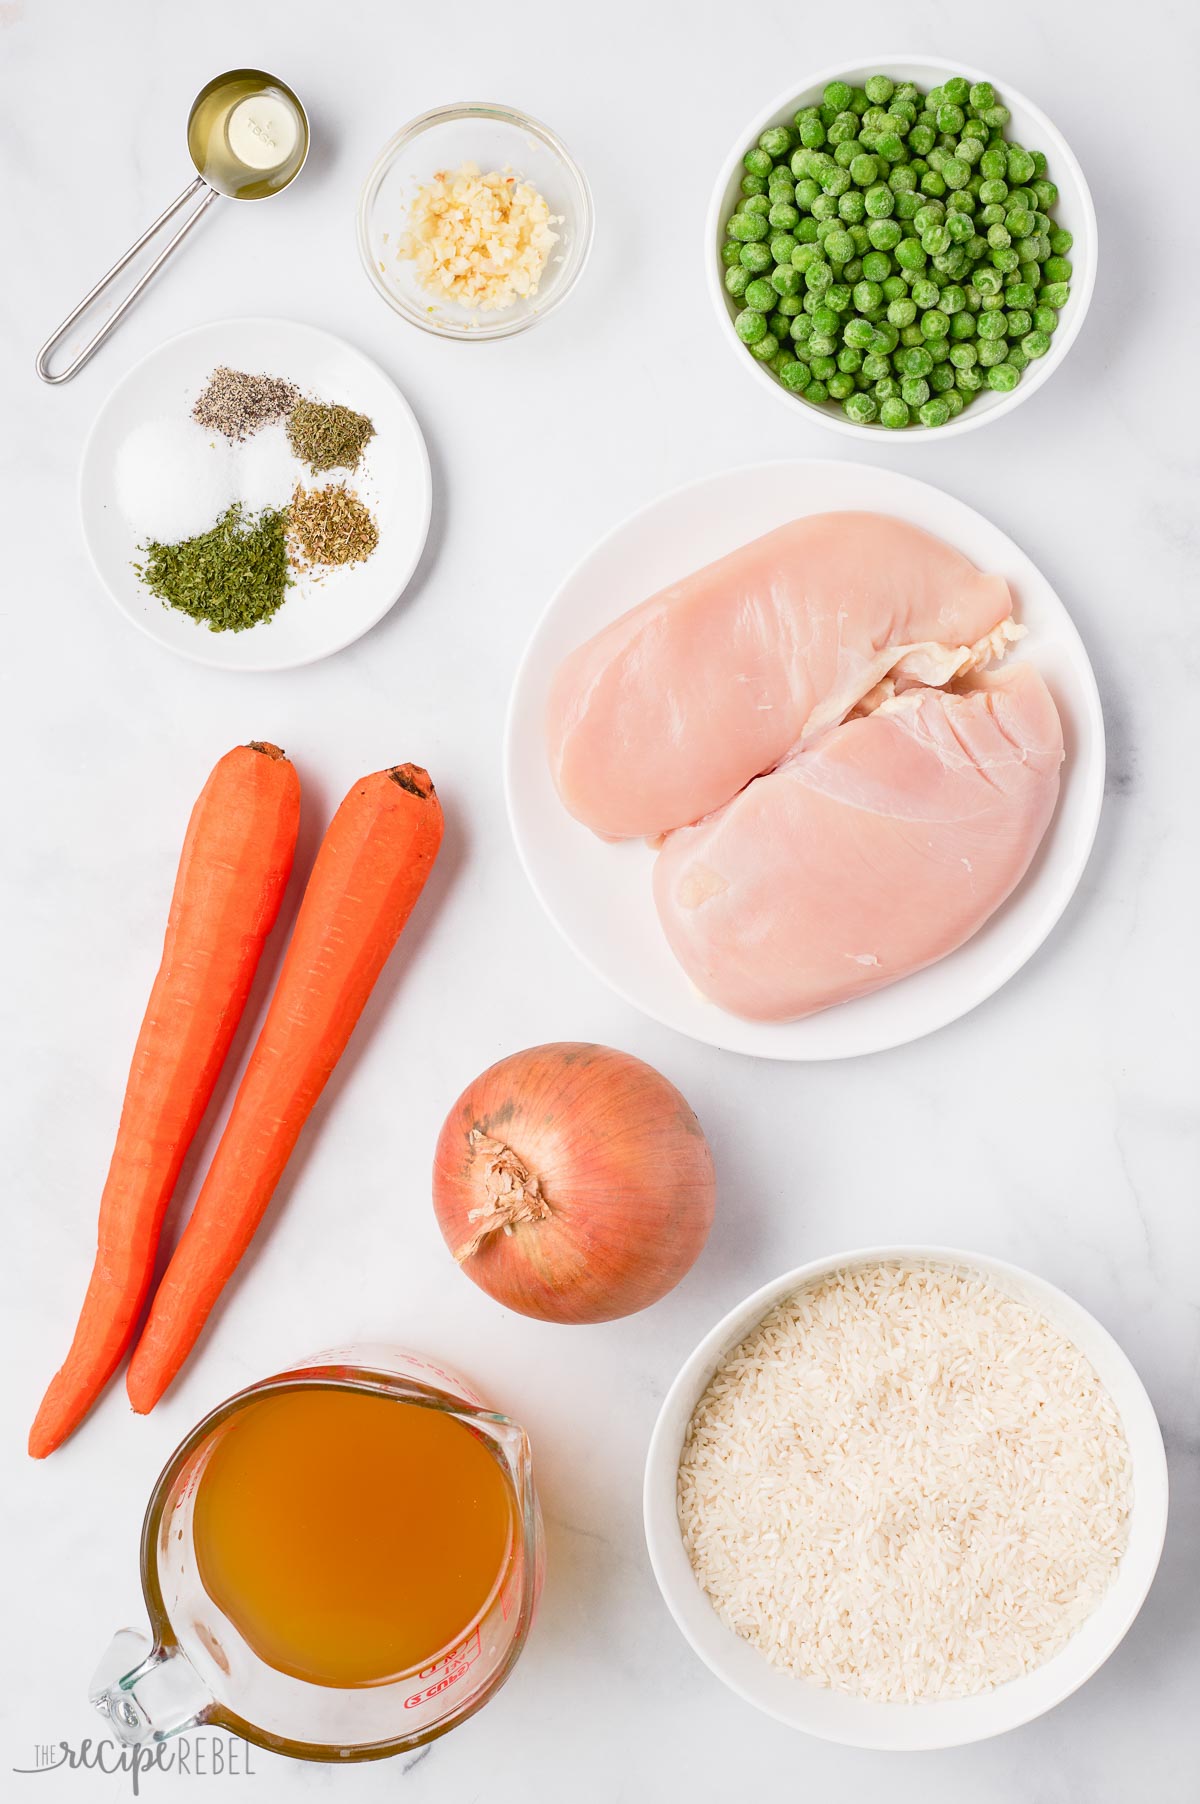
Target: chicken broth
{"x": 351, "y": 1538}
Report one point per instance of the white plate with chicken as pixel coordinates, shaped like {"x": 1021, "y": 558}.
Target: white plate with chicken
{"x": 805, "y": 759}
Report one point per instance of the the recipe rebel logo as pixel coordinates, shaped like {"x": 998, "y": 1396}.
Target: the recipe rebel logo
{"x": 199, "y": 1757}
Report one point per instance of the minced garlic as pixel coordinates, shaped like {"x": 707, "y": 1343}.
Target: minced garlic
{"x": 481, "y": 240}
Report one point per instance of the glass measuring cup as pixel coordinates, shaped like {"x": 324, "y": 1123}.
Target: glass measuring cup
{"x": 198, "y": 1669}
{"x": 247, "y": 135}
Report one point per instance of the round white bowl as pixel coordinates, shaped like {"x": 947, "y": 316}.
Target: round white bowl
{"x": 1029, "y": 126}
{"x": 494, "y": 137}
{"x": 858, "y": 1722}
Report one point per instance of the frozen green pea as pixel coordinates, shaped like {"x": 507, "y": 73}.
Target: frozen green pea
{"x": 877, "y": 266}
{"x": 758, "y": 162}
{"x": 884, "y": 234}
{"x": 844, "y": 128}
{"x": 824, "y": 207}
{"x": 816, "y": 391}
{"x": 765, "y": 347}
{"x": 748, "y": 228}
{"x": 935, "y": 240}
{"x": 846, "y": 151}
{"x": 1039, "y": 162}
{"x": 969, "y": 149}
{"x": 992, "y": 351}
{"x": 756, "y": 203}
{"x": 783, "y": 216}
{"x": 839, "y": 247}
{"x": 934, "y": 323}
{"x": 902, "y": 179}
{"x": 860, "y": 407}
{"x": 902, "y": 312}
{"x": 1045, "y": 319}
{"x": 910, "y": 336}
{"x": 925, "y": 293}
{"x": 1061, "y": 241}
{"x": 760, "y": 297}
{"x": 963, "y": 356}
{"x": 821, "y": 355}
{"x": 849, "y": 361}
{"x": 997, "y": 117}
{"x": 962, "y": 325}
{"x": 858, "y": 333}
{"x": 914, "y": 362}
{"x": 1035, "y": 343}
{"x": 812, "y": 133}
{"x": 1057, "y": 269}
{"x": 837, "y": 295}
{"x": 880, "y": 201}
{"x": 988, "y": 281}
{"x": 950, "y": 118}
{"x": 806, "y": 192}
{"x": 801, "y": 332}
{"x": 737, "y": 280}
{"x": 895, "y": 288}
{"x": 777, "y": 140}
{"x": 861, "y": 237}
{"x": 754, "y": 184}
{"x": 795, "y": 375}
{"x": 789, "y": 305}
{"x": 1003, "y": 377}
{"x": 954, "y": 401}
{"x": 781, "y": 246}
{"x": 1020, "y": 165}
{"x": 786, "y": 280}
{"x": 839, "y": 385}
{"x": 993, "y": 166}
{"x": 886, "y": 338}
{"x": 806, "y": 231}
{"x": 837, "y": 95}
{"x": 879, "y": 89}
{"x": 884, "y": 387}
{"x": 955, "y": 172}
{"x": 891, "y": 147}
{"x": 1019, "y": 294}
{"x": 953, "y": 299}
{"x": 981, "y": 96}
{"x": 999, "y": 237}
{"x": 1017, "y": 358}
{"x": 932, "y": 183}
{"x": 731, "y": 252}
{"x": 864, "y": 170}
{"x": 1018, "y": 322}
{"x": 922, "y": 138}
{"x": 756, "y": 258}
{"x": 1020, "y": 222}
{"x": 893, "y": 413}
{"x": 1055, "y": 294}
{"x": 825, "y": 320}
{"x": 992, "y": 325}
{"x": 907, "y": 204}
{"x": 852, "y": 206}
{"x": 875, "y": 366}
{"x": 941, "y": 378}
{"x": 750, "y": 326}
{"x": 867, "y": 295}
{"x": 935, "y": 412}
{"x": 1046, "y": 195}
{"x": 1005, "y": 259}
{"x": 959, "y": 226}
{"x": 914, "y": 390}
{"x": 909, "y": 254}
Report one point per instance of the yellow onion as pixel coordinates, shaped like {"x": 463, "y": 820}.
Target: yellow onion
{"x": 573, "y": 1183}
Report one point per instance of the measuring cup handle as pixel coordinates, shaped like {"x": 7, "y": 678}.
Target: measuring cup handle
{"x": 147, "y": 1693}
{"x": 118, "y": 313}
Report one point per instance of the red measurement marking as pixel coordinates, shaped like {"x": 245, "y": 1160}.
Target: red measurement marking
{"x": 446, "y": 1672}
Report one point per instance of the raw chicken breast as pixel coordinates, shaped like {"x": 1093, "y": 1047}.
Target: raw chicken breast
{"x": 868, "y": 855}
{"x": 673, "y": 708}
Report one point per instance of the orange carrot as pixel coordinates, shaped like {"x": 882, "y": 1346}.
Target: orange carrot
{"x": 236, "y": 860}
{"x": 371, "y": 868}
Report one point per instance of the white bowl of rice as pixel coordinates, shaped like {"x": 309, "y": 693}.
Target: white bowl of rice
{"x": 906, "y": 1497}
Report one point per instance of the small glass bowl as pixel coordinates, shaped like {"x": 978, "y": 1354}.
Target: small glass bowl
{"x": 494, "y": 137}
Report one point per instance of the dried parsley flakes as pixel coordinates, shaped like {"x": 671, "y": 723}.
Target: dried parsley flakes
{"x": 232, "y": 577}
{"x": 328, "y": 437}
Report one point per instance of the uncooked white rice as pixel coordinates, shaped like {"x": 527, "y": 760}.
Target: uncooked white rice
{"x": 905, "y": 1484}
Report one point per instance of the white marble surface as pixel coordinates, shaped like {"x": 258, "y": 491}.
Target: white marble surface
{"x": 1055, "y": 1126}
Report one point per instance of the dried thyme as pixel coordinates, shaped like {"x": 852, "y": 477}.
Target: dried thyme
{"x": 331, "y": 526}
{"x": 232, "y": 577}
{"x": 328, "y": 438}
{"x": 237, "y": 404}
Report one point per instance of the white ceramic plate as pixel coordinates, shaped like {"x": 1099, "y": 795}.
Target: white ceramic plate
{"x": 1029, "y": 127}
{"x": 859, "y": 1722}
{"x": 599, "y": 896}
{"x": 319, "y": 616}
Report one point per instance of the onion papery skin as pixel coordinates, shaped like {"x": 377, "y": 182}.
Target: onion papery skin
{"x": 622, "y": 1165}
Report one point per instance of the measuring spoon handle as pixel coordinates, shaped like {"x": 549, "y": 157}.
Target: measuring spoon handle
{"x": 118, "y": 313}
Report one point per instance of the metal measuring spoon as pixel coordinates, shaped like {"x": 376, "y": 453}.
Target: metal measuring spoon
{"x": 248, "y": 137}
